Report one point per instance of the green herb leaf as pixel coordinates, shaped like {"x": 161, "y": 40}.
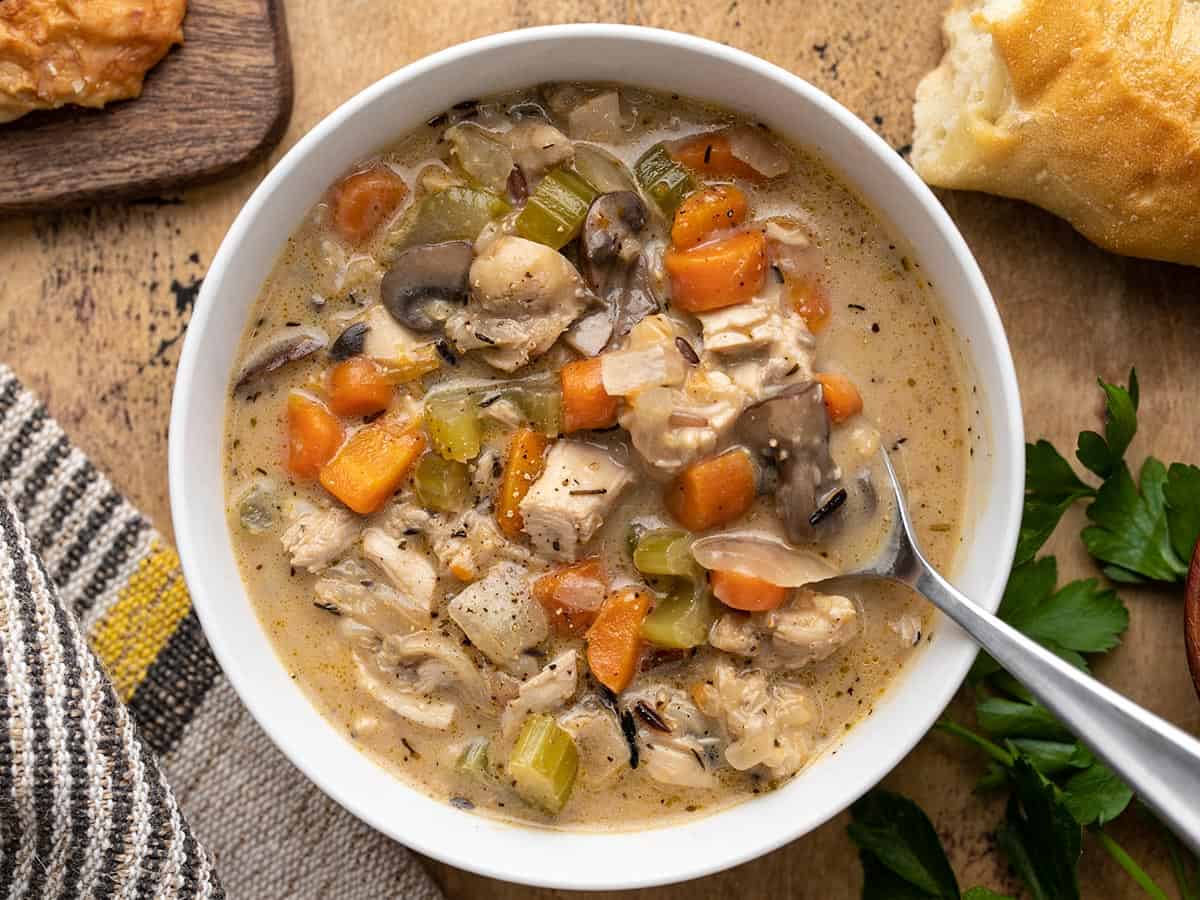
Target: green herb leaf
{"x": 1103, "y": 455}
{"x": 1182, "y": 493}
{"x": 981, "y": 893}
{"x": 892, "y": 831}
{"x": 1051, "y": 487}
{"x": 1040, "y": 837}
{"x": 1096, "y": 795}
{"x": 1130, "y": 530}
{"x": 1052, "y": 757}
{"x": 1010, "y": 718}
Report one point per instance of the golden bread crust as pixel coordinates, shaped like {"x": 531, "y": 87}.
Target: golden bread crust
{"x": 1098, "y": 122}
{"x": 83, "y": 52}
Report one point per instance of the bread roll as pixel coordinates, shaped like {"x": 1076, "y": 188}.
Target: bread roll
{"x": 1088, "y": 108}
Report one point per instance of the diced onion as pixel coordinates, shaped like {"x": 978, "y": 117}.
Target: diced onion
{"x": 626, "y": 372}
{"x": 753, "y": 147}
{"x": 762, "y": 556}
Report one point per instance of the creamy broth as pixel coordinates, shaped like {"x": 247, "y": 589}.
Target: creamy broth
{"x": 331, "y": 625}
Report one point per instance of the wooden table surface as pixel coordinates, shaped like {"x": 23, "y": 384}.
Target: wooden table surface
{"x": 93, "y": 305}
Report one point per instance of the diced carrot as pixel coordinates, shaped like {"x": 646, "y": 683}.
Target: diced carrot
{"x": 314, "y": 435}
{"x": 809, "y": 299}
{"x": 572, "y": 595}
{"x": 711, "y": 154}
{"x": 713, "y": 491}
{"x": 585, "y": 402}
{"x": 362, "y": 201}
{"x": 842, "y": 399}
{"x": 526, "y": 460}
{"x": 359, "y": 387}
{"x": 717, "y": 274}
{"x": 745, "y": 592}
{"x": 704, "y": 212}
{"x": 372, "y": 464}
{"x": 614, "y": 641}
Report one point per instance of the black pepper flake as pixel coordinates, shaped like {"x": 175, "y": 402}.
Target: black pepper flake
{"x": 792, "y": 371}
{"x": 462, "y": 803}
{"x": 778, "y": 273}
{"x": 687, "y": 351}
{"x": 832, "y": 502}
{"x": 588, "y": 492}
{"x": 650, "y": 717}
{"x": 629, "y": 729}
{"x": 875, "y": 327}
{"x": 260, "y": 470}
{"x": 708, "y": 154}
{"x": 857, "y": 306}
{"x": 483, "y": 337}
{"x": 291, "y": 324}
{"x": 409, "y": 748}
{"x": 489, "y": 400}
{"x": 328, "y": 607}
{"x": 446, "y": 353}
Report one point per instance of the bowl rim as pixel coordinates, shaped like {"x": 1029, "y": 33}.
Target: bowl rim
{"x": 1007, "y": 447}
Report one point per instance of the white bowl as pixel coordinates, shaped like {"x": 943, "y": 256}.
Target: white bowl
{"x": 401, "y": 101}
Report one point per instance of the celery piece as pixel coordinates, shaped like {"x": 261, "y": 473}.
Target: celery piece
{"x": 474, "y": 760}
{"x": 682, "y": 618}
{"x": 555, "y": 211}
{"x": 454, "y": 426}
{"x": 455, "y": 213}
{"x": 663, "y": 180}
{"x": 665, "y": 551}
{"x": 441, "y": 484}
{"x": 543, "y": 763}
{"x": 541, "y": 402}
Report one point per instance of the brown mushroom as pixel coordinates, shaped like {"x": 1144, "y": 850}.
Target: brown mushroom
{"x": 426, "y": 283}
{"x": 279, "y": 348}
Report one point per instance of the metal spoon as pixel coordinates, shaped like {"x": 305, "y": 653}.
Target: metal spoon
{"x": 1158, "y": 761}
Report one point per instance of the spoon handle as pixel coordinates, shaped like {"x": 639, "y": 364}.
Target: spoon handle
{"x": 1160, "y": 762}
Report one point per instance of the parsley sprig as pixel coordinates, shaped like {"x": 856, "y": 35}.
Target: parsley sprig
{"x": 1140, "y": 531}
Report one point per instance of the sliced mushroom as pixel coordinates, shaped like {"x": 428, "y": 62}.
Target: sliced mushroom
{"x": 426, "y": 283}
{"x": 791, "y": 430}
{"x": 279, "y": 348}
{"x": 612, "y": 259}
{"x": 350, "y": 342}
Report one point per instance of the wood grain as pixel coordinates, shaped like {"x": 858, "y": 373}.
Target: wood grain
{"x": 216, "y": 104}
{"x": 93, "y": 303}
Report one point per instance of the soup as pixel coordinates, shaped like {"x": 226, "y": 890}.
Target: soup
{"x": 548, "y": 430}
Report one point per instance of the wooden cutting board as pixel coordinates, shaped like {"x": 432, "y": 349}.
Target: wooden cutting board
{"x": 214, "y": 105}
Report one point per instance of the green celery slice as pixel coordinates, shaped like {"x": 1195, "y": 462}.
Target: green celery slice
{"x": 681, "y": 620}
{"x": 454, "y": 426}
{"x": 441, "y": 484}
{"x": 663, "y": 180}
{"x": 665, "y": 551}
{"x": 456, "y": 213}
{"x": 544, "y": 763}
{"x": 555, "y": 211}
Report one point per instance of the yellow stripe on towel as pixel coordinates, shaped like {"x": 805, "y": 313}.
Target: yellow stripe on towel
{"x": 148, "y": 609}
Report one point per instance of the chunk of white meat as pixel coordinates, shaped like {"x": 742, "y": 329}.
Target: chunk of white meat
{"x": 409, "y": 571}
{"x": 316, "y": 537}
{"x": 759, "y": 344}
{"x": 464, "y": 545}
{"x": 603, "y": 751}
{"x": 672, "y": 427}
{"x": 548, "y": 690}
{"x": 387, "y": 340}
{"x": 523, "y": 296}
{"x": 351, "y": 591}
{"x": 766, "y": 724}
{"x": 684, "y": 755}
{"x": 499, "y": 615}
{"x": 423, "y": 676}
{"x": 808, "y": 628}
{"x": 538, "y": 146}
{"x": 568, "y": 503}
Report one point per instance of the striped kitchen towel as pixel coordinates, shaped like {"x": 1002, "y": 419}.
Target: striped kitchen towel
{"x": 128, "y": 767}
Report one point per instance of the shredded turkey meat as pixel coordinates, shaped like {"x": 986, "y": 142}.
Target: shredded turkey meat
{"x": 809, "y": 628}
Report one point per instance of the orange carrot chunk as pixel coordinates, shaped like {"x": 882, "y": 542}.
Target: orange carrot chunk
{"x": 362, "y": 201}
{"x": 746, "y": 592}
{"x": 842, "y": 399}
{"x": 712, "y": 155}
{"x": 572, "y": 595}
{"x": 372, "y": 464}
{"x": 614, "y": 641}
{"x": 359, "y": 387}
{"x": 713, "y": 209}
{"x": 713, "y": 491}
{"x": 314, "y": 435}
{"x": 809, "y": 299}
{"x": 526, "y": 460}
{"x": 585, "y": 402}
{"x": 717, "y": 274}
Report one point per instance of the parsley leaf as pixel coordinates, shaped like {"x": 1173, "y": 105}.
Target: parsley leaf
{"x": 1130, "y": 531}
{"x": 1051, "y": 487}
{"x": 1096, "y": 795}
{"x": 1182, "y": 493}
{"x": 1000, "y": 717}
{"x": 1040, "y": 837}
{"x": 1103, "y": 455}
{"x": 901, "y": 853}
